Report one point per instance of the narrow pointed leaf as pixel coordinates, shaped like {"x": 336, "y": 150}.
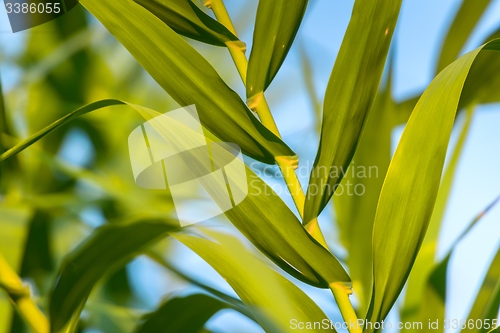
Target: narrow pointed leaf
{"x": 233, "y": 302}
{"x": 276, "y": 303}
{"x": 425, "y": 262}
{"x": 187, "y": 77}
{"x": 262, "y": 219}
{"x": 432, "y": 304}
{"x": 459, "y": 32}
{"x": 60, "y": 122}
{"x": 14, "y": 223}
{"x": 356, "y": 204}
{"x": 185, "y": 18}
{"x": 182, "y": 314}
{"x": 102, "y": 252}
{"x": 276, "y": 25}
{"x": 349, "y": 96}
{"x": 272, "y": 227}
{"x": 411, "y": 185}
{"x": 487, "y": 301}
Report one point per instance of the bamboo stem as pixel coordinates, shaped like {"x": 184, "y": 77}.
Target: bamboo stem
{"x": 19, "y": 295}
{"x": 341, "y": 293}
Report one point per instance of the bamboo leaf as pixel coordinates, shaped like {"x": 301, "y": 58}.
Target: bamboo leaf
{"x": 271, "y": 226}
{"x": 187, "y": 77}
{"x": 432, "y": 305}
{"x": 349, "y": 96}
{"x": 182, "y": 314}
{"x": 459, "y": 32}
{"x": 102, "y": 252}
{"x": 275, "y": 303}
{"x": 487, "y": 301}
{"x": 276, "y": 25}
{"x": 495, "y": 330}
{"x": 64, "y": 120}
{"x": 356, "y": 204}
{"x": 14, "y": 223}
{"x": 411, "y": 185}
{"x": 185, "y": 18}
{"x": 233, "y": 302}
{"x": 481, "y": 87}
{"x": 424, "y": 263}
{"x": 259, "y": 217}
{"x": 308, "y": 76}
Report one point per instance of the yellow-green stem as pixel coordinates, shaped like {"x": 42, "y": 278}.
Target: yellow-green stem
{"x": 237, "y": 51}
{"x": 19, "y": 295}
{"x": 259, "y": 105}
{"x": 341, "y": 293}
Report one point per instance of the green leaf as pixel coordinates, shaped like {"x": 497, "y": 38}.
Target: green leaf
{"x": 185, "y": 18}
{"x": 425, "y": 262}
{"x": 481, "y": 87}
{"x": 432, "y": 305}
{"x": 182, "y": 314}
{"x": 495, "y": 330}
{"x": 185, "y": 75}
{"x": 309, "y": 83}
{"x": 272, "y": 227}
{"x": 349, "y": 96}
{"x": 274, "y": 303}
{"x": 411, "y": 185}
{"x": 356, "y": 204}
{"x": 487, "y": 300}
{"x": 234, "y": 303}
{"x": 14, "y": 219}
{"x": 276, "y": 25}
{"x": 260, "y": 217}
{"x": 459, "y": 32}
{"x": 102, "y": 252}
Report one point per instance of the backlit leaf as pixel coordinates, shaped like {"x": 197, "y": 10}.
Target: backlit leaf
{"x": 182, "y": 314}
{"x": 105, "y": 250}
{"x": 185, "y": 18}
{"x": 356, "y": 200}
{"x": 275, "y": 303}
{"x": 349, "y": 96}
{"x": 411, "y": 185}
{"x": 187, "y": 77}
{"x": 276, "y": 25}
{"x": 425, "y": 262}
{"x": 432, "y": 304}
{"x": 271, "y": 226}
{"x": 459, "y": 32}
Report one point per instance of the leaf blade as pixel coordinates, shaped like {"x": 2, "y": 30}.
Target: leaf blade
{"x": 459, "y": 32}
{"x": 182, "y": 314}
{"x": 99, "y": 253}
{"x": 275, "y": 302}
{"x": 276, "y": 26}
{"x": 185, "y": 18}
{"x": 350, "y": 93}
{"x": 186, "y": 76}
{"x": 410, "y": 188}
